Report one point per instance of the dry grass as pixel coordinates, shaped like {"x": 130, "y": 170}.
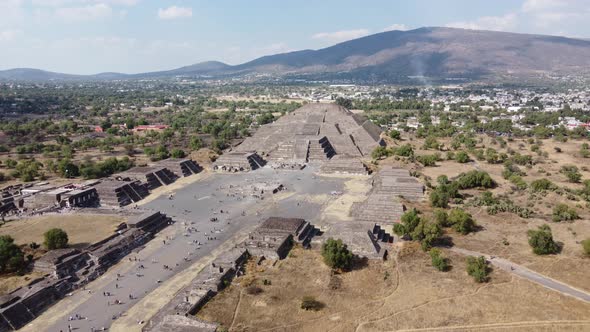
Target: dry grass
{"x": 82, "y": 229}
{"x": 414, "y": 295}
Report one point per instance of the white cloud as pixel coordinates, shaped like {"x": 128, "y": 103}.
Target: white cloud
{"x": 174, "y": 12}
{"x": 507, "y": 22}
{"x": 400, "y": 27}
{"x": 339, "y": 36}
{"x": 86, "y": 13}
{"x": 60, "y": 3}
{"x": 8, "y": 35}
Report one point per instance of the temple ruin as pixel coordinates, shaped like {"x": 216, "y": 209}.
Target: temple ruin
{"x": 314, "y": 133}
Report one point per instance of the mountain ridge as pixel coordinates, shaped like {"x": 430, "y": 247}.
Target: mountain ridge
{"x": 435, "y": 52}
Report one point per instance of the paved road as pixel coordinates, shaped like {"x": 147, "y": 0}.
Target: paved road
{"x": 192, "y": 207}
{"x": 533, "y": 276}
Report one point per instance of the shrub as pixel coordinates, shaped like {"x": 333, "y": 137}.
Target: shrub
{"x": 395, "y": 134}
{"x": 380, "y": 152}
{"x": 441, "y": 217}
{"x": 431, "y": 143}
{"x": 475, "y": 179}
{"x": 177, "y": 153}
{"x": 541, "y": 240}
{"x": 477, "y": 267}
{"x": 542, "y": 185}
{"x": 427, "y": 160}
{"x": 461, "y": 157}
{"x": 461, "y": 221}
{"x": 438, "y": 261}
{"x": 405, "y": 150}
{"x": 562, "y": 212}
{"x": 56, "y": 238}
{"x": 336, "y": 254}
{"x": 310, "y": 303}
{"x": 572, "y": 173}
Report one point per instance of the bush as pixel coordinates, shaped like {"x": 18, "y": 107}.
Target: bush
{"x": 394, "y": 134}
{"x": 56, "y": 238}
{"x": 438, "y": 261}
{"x": 177, "y": 153}
{"x": 11, "y": 256}
{"x": 542, "y": 185}
{"x": 441, "y": 217}
{"x": 405, "y": 150}
{"x": 475, "y": 179}
{"x": 586, "y": 246}
{"x": 336, "y": 254}
{"x": 380, "y": 152}
{"x": 431, "y": 143}
{"x": 572, "y": 173}
{"x": 310, "y": 303}
{"x": 462, "y": 157}
{"x": 461, "y": 221}
{"x": 477, "y": 267}
{"x": 562, "y": 212}
{"x": 541, "y": 240}
{"x": 427, "y": 160}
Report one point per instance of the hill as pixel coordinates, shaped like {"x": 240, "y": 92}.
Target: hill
{"x": 396, "y": 56}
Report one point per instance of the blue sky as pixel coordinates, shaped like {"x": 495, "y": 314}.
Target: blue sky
{"x": 130, "y": 36}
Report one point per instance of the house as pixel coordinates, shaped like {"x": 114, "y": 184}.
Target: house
{"x": 142, "y": 128}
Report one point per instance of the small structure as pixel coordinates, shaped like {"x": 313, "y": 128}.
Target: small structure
{"x": 180, "y": 167}
{"x": 238, "y": 162}
{"x": 152, "y": 176}
{"x": 116, "y": 193}
{"x": 275, "y": 236}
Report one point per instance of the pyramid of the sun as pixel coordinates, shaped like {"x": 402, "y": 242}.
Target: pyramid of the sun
{"x": 314, "y": 132}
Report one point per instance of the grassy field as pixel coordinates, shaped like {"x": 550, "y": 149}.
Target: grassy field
{"x": 82, "y": 229}
{"x": 393, "y": 295}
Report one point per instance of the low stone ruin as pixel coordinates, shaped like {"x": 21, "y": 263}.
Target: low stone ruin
{"x": 68, "y": 269}
{"x": 274, "y": 238}
{"x": 114, "y": 193}
{"x": 344, "y": 165}
{"x": 180, "y": 167}
{"x": 25, "y": 303}
{"x": 238, "y": 162}
{"x": 152, "y": 176}
{"x": 179, "y": 313}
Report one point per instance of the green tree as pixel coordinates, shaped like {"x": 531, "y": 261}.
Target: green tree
{"x": 478, "y": 268}
{"x": 541, "y": 240}
{"x": 195, "y": 143}
{"x": 336, "y": 254}
{"x": 11, "y": 256}
{"x": 438, "y": 261}
{"x": 55, "y": 238}
{"x": 381, "y": 152}
{"x": 344, "y": 102}
{"x": 461, "y": 221}
{"x": 542, "y": 185}
{"x": 395, "y": 134}
{"x": 67, "y": 169}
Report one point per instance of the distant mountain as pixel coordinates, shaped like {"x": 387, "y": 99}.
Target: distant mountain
{"x": 427, "y": 54}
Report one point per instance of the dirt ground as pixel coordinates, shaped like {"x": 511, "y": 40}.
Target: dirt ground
{"x": 9, "y": 283}
{"x": 406, "y": 294}
{"x": 82, "y": 229}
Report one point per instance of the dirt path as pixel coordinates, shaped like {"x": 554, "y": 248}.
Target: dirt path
{"x": 533, "y": 276}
